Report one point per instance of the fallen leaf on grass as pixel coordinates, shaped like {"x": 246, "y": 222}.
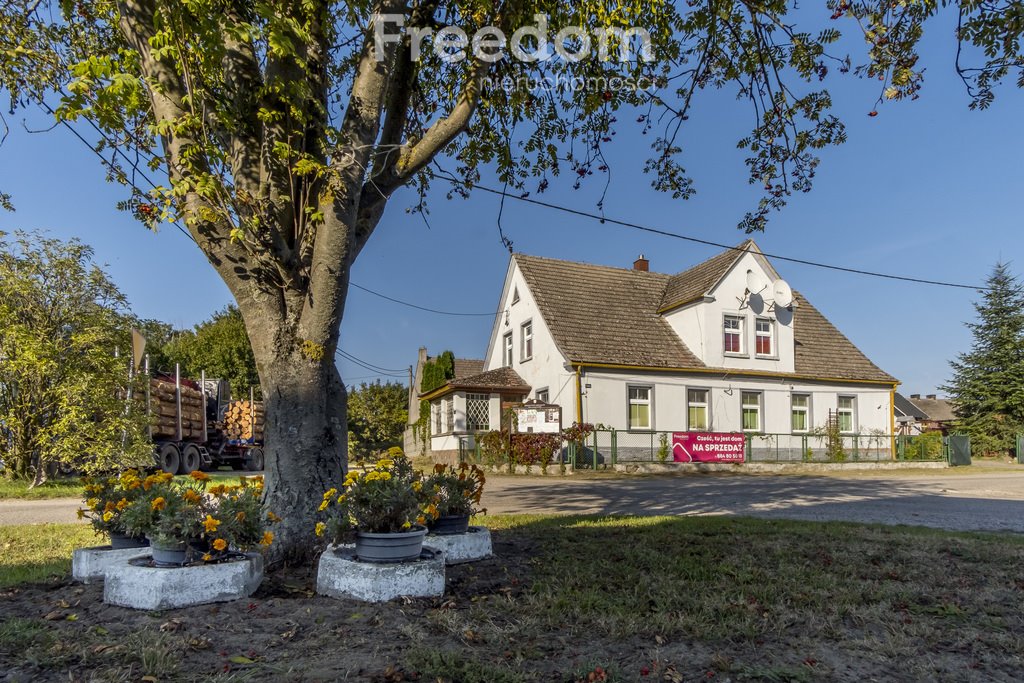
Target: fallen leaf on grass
{"x": 55, "y": 615}
{"x": 240, "y": 659}
{"x": 150, "y": 679}
{"x": 199, "y": 643}
{"x": 171, "y": 626}
{"x": 72, "y": 617}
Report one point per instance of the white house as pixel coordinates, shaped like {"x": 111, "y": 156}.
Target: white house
{"x": 644, "y": 352}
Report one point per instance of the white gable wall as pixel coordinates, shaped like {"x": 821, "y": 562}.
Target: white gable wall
{"x": 547, "y": 368}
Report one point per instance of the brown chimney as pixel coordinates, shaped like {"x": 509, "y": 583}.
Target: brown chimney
{"x": 932, "y": 396}
{"x": 915, "y": 396}
{"x": 641, "y": 264}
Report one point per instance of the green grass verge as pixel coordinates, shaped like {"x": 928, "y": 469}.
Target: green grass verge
{"x": 72, "y": 488}
{"x": 40, "y": 552}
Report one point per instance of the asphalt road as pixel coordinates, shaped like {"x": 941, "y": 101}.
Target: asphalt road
{"x": 992, "y": 501}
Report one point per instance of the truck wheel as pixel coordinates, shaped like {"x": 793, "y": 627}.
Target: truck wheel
{"x": 190, "y": 459}
{"x": 254, "y": 461}
{"x": 168, "y": 458}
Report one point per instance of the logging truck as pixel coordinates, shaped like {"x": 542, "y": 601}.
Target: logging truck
{"x": 195, "y": 425}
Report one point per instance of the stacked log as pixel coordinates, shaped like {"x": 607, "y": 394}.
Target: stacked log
{"x": 164, "y": 411}
{"x": 244, "y": 420}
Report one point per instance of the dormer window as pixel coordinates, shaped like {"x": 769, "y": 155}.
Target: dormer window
{"x": 764, "y": 338}
{"x": 733, "y": 334}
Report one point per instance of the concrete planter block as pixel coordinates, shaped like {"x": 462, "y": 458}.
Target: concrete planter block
{"x": 471, "y": 546}
{"x": 90, "y": 564}
{"x": 341, "y": 575}
{"x": 141, "y": 586}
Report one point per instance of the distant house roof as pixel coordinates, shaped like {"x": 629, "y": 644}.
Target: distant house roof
{"x": 464, "y": 367}
{"x": 500, "y": 379}
{"x": 905, "y": 407}
{"x": 936, "y": 409}
{"x": 600, "y": 314}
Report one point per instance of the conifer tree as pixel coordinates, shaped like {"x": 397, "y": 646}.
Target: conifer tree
{"x": 987, "y": 387}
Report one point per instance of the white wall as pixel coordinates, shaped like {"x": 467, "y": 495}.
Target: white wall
{"x": 605, "y": 401}
{"x": 700, "y": 325}
{"x": 546, "y": 370}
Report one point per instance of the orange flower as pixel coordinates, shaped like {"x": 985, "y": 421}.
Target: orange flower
{"x": 122, "y": 504}
{"x": 199, "y": 475}
{"x": 271, "y": 517}
{"x": 240, "y": 516}
{"x": 220, "y": 544}
{"x": 192, "y": 496}
{"x": 268, "y": 538}
{"x": 158, "y": 503}
{"x": 207, "y": 557}
{"x": 211, "y": 525}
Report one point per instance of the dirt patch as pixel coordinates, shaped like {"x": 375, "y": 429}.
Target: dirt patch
{"x": 573, "y": 599}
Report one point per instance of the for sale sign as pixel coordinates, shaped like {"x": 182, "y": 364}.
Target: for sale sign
{"x": 708, "y": 447}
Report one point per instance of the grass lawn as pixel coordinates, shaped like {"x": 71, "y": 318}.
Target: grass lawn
{"x": 72, "y": 488}
{"x": 623, "y": 599}
{"x": 40, "y": 552}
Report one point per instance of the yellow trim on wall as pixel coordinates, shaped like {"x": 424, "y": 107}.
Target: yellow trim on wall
{"x": 579, "y": 396}
{"x": 739, "y": 373}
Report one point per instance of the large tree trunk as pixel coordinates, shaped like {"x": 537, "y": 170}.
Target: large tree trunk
{"x": 306, "y": 441}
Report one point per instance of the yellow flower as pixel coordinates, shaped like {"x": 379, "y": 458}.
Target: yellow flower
{"x": 330, "y": 493}
{"x": 271, "y": 517}
{"x": 81, "y": 513}
{"x": 192, "y": 496}
{"x": 341, "y": 499}
{"x": 107, "y": 516}
{"x": 406, "y": 525}
{"x": 268, "y": 538}
{"x": 323, "y": 505}
{"x": 386, "y": 463}
{"x": 165, "y": 476}
{"x": 219, "y": 544}
{"x": 320, "y": 526}
{"x": 93, "y": 503}
{"x": 207, "y": 557}
{"x": 240, "y": 516}
{"x": 158, "y": 503}
{"x": 122, "y": 504}
{"x": 211, "y": 525}
{"x": 199, "y": 475}
{"x": 417, "y": 485}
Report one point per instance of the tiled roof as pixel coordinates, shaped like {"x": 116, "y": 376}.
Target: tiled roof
{"x": 604, "y": 315}
{"x": 464, "y": 367}
{"x": 599, "y": 314}
{"x": 499, "y": 379}
{"x": 904, "y": 405}
{"x": 686, "y": 286}
{"x": 824, "y": 351}
{"x": 936, "y": 409}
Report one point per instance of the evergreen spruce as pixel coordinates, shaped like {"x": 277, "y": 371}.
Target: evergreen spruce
{"x": 987, "y": 387}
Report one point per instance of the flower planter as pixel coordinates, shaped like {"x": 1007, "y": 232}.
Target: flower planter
{"x": 471, "y": 546}
{"x": 399, "y": 546}
{"x": 140, "y": 584}
{"x": 449, "y": 524}
{"x": 91, "y": 564}
{"x": 169, "y": 554}
{"x": 124, "y": 541}
{"x": 341, "y": 574}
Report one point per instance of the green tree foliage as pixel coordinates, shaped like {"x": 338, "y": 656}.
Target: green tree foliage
{"x": 987, "y": 386}
{"x": 62, "y": 390}
{"x": 220, "y": 347}
{"x": 377, "y": 415}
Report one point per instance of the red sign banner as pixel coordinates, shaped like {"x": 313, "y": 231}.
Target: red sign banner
{"x": 708, "y": 447}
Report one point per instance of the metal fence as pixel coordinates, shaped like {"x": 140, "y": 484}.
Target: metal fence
{"x": 608, "y": 447}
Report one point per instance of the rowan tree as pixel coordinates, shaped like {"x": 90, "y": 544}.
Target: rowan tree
{"x": 282, "y": 132}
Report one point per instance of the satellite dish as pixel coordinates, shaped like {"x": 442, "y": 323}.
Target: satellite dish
{"x": 783, "y": 294}
{"x": 755, "y": 282}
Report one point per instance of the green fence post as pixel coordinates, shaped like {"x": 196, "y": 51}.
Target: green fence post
{"x": 748, "y": 450}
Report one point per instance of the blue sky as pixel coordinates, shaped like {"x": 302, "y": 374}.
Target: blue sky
{"x": 926, "y": 189}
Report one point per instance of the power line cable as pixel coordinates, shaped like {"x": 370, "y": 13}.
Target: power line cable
{"x": 349, "y": 356}
{"x": 667, "y": 233}
{"x": 417, "y": 306}
{"x": 367, "y": 366}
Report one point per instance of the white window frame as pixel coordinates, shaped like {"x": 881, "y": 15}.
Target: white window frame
{"x": 506, "y": 350}
{"x": 740, "y": 332}
{"x": 706, "y": 404}
{"x": 449, "y": 413}
{"x": 773, "y": 353}
{"x": 806, "y": 410}
{"x": 851, "y": 411}
{"x": 436, "y": 410}
{"x": 543, "y": 395}
{"x": 470, "y": 425}
{"x": 760, "y": 411}
{"x": 649, "y": 402}
{"x": 526, "y": 341}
